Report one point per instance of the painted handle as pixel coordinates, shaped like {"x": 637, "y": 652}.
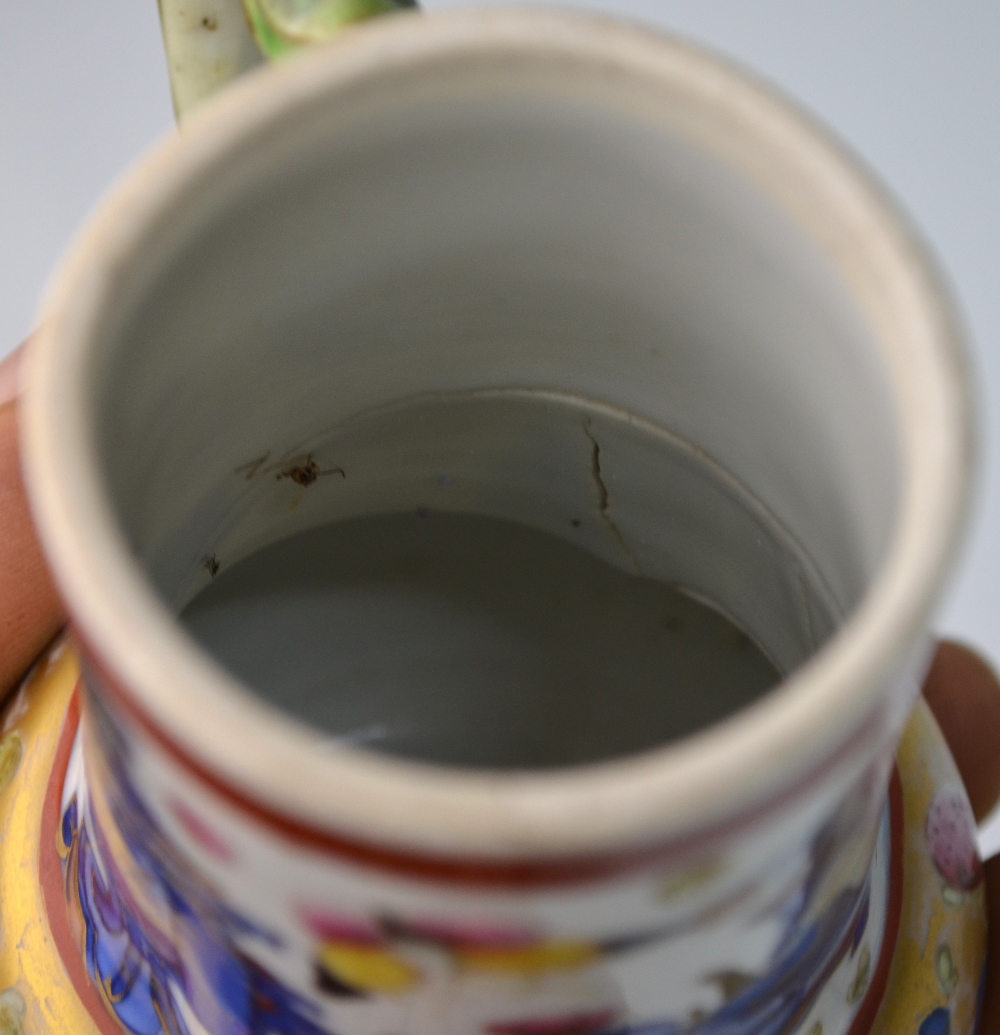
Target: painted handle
{"x": 211, "y": 42}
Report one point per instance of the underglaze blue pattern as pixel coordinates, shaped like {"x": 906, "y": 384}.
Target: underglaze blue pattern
{"x": 142, "y": 977}
{"x": 156, "y": 974}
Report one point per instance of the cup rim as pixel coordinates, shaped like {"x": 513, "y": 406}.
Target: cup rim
{"x": 832, "y": 708}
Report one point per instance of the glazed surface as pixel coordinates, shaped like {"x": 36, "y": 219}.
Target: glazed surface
{"x": 156, "y": 950}
{"x": 462, "y": 639}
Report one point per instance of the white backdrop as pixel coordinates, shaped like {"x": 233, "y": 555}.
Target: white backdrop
{"x": 913, "y": 85}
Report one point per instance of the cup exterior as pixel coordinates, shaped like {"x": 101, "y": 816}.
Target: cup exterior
{"x": 234, "y": 913}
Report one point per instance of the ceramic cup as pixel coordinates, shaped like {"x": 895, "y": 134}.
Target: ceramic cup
{"x": 635, "y": 284}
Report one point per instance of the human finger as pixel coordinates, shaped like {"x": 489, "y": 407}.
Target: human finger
{"x": 964, "y": 694}
{"x": 30, "y": 610}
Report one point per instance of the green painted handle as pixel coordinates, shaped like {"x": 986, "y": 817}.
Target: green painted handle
{"x": 211, "y": 42}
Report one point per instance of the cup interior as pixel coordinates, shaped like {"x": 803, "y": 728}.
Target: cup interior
{"x": 567, "y": 289}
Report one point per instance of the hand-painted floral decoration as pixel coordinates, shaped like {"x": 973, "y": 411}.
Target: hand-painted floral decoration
{"x": 951, "y": 831}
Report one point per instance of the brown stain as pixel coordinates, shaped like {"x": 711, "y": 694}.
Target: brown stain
{"x": 307, "y": 472}
{"x": 210, "y": 22}
{"x": 302, "y": 474}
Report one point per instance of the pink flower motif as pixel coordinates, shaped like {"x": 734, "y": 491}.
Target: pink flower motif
{"x": 335, "y": 927}
{"x": 329, "y": 926}
{"x": 201, "y": 833}
{"x": 575, "y": 1024}
{"x": 951, "y": 832}
{"x": 468, "y": 935}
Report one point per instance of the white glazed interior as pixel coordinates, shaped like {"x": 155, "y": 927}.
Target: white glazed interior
{"x": 502, "y": 202}
{"x": 481, "y": 643}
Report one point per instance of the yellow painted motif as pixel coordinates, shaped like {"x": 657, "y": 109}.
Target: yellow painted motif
{"x": 367, "y": 968}
{"x": 942, "y": 934}
{"x": 40, "y": 996}
{"x": 530, "y": 960}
